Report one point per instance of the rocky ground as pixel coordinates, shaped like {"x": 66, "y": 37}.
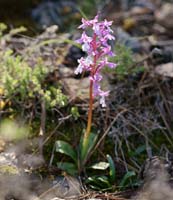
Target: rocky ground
{"x": 141, "y": 106}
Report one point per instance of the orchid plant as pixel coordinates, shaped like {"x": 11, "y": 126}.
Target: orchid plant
{"x": 95, "y": 42}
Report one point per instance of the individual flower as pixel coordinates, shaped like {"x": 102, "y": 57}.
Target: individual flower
{"x": 87, "y": 23}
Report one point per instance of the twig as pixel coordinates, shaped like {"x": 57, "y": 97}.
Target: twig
{"x": 42, "y": 127}
{"x": 106, "y": 132}
{"x": 50, "y": 135}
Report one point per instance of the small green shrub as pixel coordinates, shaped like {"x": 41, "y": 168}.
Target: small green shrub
{"x": 23, "y": 75}
{"x": 21, "y": 82}
{"x": 125, "y": 62}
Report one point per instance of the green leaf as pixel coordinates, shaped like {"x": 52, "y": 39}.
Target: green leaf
{"x": 98, "y": 182}
{"x": 92, "y": 141}
{"x": 139, "y": 150}
{"x": 85, "y": 150}
{"x": 66, "y": 148}
{"x": 104, "y": 180}
{"x": 126, "y": 177}
{"x": 111, "y": 168}
{"x": 100, "y": 166}
{"x": 70, "y": 168}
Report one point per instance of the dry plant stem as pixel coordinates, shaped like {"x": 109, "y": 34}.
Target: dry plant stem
{"x": 42, "y": 127}
{"x": 48, "y": 138}
{"x": 107, "y": 131}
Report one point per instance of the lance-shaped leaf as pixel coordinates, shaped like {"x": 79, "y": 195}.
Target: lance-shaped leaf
{"x": 70, "y": 168}
{"x": 66, "y": 148}
{"x": 87, "y": 147}
{"x": 111, "y": 168}
{"x": 126, "y": 177}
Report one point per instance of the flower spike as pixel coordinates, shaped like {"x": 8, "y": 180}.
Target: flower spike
{"x": 98, "y": 49}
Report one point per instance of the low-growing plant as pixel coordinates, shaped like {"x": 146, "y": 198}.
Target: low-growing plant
{"x": 25, "y": 89}
{"x": 106, "y": 181}
{"x": 21, "y": 82}
{"x": 129, "y": 180}
{"x": 125, "y": 62}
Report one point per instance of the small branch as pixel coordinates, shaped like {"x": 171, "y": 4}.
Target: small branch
{"x": 106, "y": 132}
{"x": 42, "y": 126}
